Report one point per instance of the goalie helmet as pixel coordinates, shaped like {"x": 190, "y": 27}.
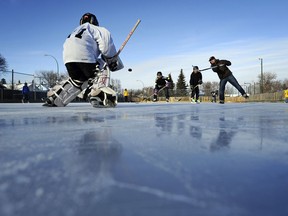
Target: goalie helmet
{"x": 90, "y": 18}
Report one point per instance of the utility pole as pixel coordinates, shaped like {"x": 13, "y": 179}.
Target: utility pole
{"x": 12, "y": 80}
{"x": 262, "y": 78}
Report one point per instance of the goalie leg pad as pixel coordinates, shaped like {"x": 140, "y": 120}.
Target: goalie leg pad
{"x": 64, "y": 94}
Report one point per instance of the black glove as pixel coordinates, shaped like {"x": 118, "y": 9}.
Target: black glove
{"x": 200, "y": 82}
{"x": 111, "y": 61}
{"x": 192, "y": 87}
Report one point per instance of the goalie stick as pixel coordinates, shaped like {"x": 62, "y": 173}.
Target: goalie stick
{"x": 106, "y": 77}
{"x": 127, "y": 38}
{"x": 111, "y": 60}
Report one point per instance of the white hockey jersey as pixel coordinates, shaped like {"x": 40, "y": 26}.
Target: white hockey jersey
{"x": 86, "y": 43}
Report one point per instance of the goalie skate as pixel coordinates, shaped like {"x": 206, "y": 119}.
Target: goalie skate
{"x": 99, "y": 93}
{"x": 103, "y": 98}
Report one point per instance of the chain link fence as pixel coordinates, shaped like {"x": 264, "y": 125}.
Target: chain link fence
{"x": 12, "y": 83}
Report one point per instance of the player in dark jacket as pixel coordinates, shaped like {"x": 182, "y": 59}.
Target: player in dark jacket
{"x": 162, "y": 83}
{"x": 25, "y": 93}
{"x": 195, "y": 81}
{"x": 225, "y": 75}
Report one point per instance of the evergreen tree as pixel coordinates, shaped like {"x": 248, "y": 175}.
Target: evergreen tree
{"x": 181, "y": 86}
{"x": 3, "y": 81}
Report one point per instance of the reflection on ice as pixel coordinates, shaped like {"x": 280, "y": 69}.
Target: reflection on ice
{"x": 99, "y": 154}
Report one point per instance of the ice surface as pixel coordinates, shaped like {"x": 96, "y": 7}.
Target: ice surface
{"x": 149, "y": 159}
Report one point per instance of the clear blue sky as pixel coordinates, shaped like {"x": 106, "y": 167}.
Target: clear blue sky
{"x": 173, "y": 35}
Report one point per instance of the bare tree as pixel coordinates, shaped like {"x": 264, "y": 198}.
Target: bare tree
{"x": 285, "y": 84}
{"x": 229, "y": 89}
{"x": 208, "y": 87}
{"x": 270, "y": 84}
{"x": 116, "y": 84}
{"x": 50, "y": 78}
{"x": 3, "y": 64}
{"x": 277, "y": 86}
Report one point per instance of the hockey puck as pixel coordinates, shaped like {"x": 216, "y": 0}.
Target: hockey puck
{"x": 130, "y": 70}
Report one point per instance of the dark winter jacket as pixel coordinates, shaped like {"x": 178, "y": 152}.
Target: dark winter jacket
{"x": 195, "y": 78}
{"x": 222, "y": 71}
{"x": 161, "y": 82}
{"x": 25, "y": 90}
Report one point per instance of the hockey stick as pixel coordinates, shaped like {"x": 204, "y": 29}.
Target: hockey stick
{"x": 210, "y": 67}
{"x": 161, "y": 89}
{"x": 127, "y": 39}
{"x": 195, "y": 87}
{"x": 191, "y": 89}
{"x": 157, "y": 92}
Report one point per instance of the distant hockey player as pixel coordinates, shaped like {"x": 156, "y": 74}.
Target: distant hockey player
{"x": 214, "y": 95}
{"x": 25, "y": 93}
{"x": 162, "y": 83}
{"x": 88, "y": 48}
{"x": 126, "y": 95}
{"x": 195, "y": 81}
{"x": 225, "y": 75}
{"x": 286, "y": 95}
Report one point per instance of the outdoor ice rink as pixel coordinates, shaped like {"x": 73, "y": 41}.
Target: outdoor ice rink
{"x": 146, "y": 159}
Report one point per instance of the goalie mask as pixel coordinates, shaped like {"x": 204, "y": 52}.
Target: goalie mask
{"x": 90, "y": 18}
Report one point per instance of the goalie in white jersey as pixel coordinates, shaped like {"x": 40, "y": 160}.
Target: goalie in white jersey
{"x": 81, "y": 55}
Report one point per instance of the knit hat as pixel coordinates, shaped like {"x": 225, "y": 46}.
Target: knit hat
{"x": 211, "y": 58}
